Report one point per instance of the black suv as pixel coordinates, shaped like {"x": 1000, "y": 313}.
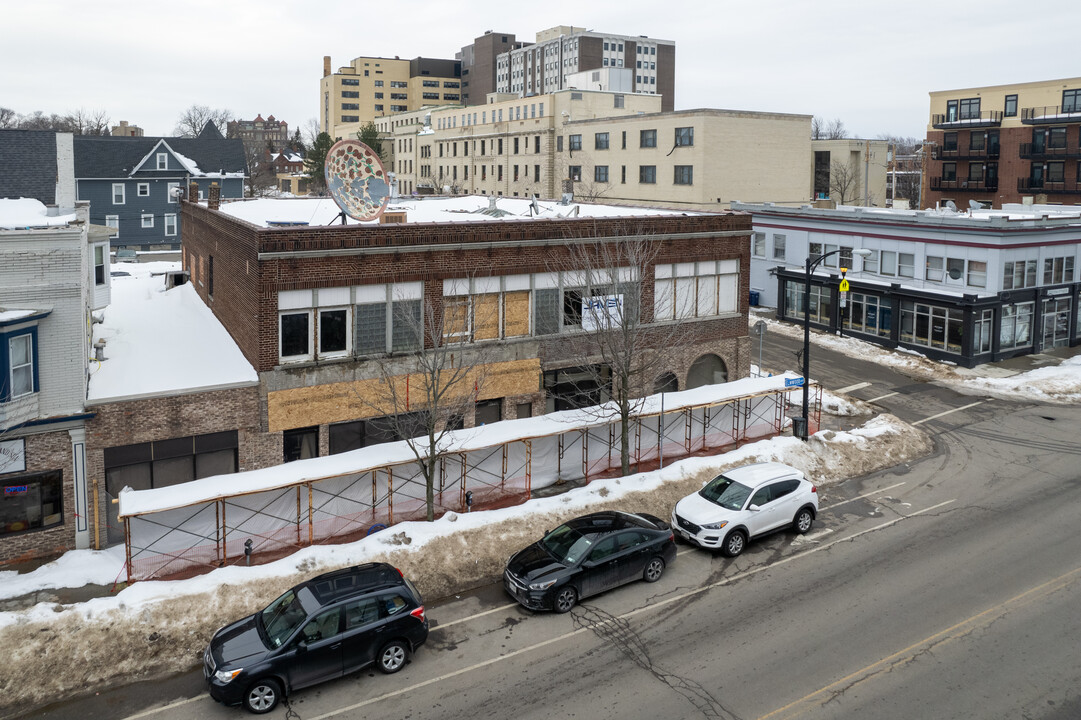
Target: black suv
{"x": 321, "y": 629}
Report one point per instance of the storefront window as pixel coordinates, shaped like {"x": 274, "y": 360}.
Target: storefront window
{"x": 931, "y": 326}
{"x": 31, "y": 502}
{"x": 1016, "y": 328}
{"x": 821, "y": 302}
{"x": 983, "y": 331}
{"x": 869, "y": 314}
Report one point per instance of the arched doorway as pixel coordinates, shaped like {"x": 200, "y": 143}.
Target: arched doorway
{"x": 707, "y": 370}
{"x": 667, "y": 382}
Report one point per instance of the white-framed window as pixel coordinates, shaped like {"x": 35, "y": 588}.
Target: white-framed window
{"x": 977, "y": 273}
{"x": 142, "y": 189}
{"x": 758, "y": 244}
{"x": 335, "y": 332}
{"x": 935, "y": 268}
{"x": 295, "y": 335}
{"x": 148, "y": 220}
{"x": 870, "y": 262}
{"x": 169, "y": 191}
{"x": 778, "y": 247}
{"x": 99, "y": 265}
{"x": 113, "y": 221}
{"x": 689, "y": 290}
{"x": 906, "y": 265}
{"x": 888, "y": 263}
{"x": 170, "y": 224}
{"x": 21, "y": 365}
{"x": 118, "y": 193}
{"x": 163, "y": 161}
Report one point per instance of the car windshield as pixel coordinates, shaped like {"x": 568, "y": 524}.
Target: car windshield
{"x": 281, "y": 618}
{"x": 566, "y": 544}
{"x": 727, "y": 493}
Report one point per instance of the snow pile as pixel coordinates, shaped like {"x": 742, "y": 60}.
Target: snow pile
{"x": 29, "y": 213}
{"x": 152, "y": 628}
{"x": 1058, "y": 384}
{"x": 161, "y": 341}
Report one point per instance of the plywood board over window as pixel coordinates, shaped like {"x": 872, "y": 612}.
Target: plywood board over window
{"x": 516, "y": 314}
{"x": 456, "y": 319}
{"x": 486, "y": 317}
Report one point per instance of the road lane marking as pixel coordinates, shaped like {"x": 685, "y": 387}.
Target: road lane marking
{"x": 882, "y": 397}
{"x": 440, "y": 626}
{"x": 865, "y": 495}
{"x": 632, "y": 613}
{"x": 809, "y": 702}
{"x": 170, "y": 706}
{"x": 935, "y": 417}
{"x": 853, "y": 388}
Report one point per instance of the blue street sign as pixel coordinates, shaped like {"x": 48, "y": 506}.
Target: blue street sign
{"x": 793, "y": 382}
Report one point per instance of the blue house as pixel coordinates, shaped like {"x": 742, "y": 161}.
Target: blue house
{"x": 132, "y": 183}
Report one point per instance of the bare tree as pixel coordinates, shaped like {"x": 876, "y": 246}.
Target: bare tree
{"x": 822, "y": 129}
{"x": 427, "y": 394}
{"x": 622, "y": 348}
{"x": 194, "y": 119}
{"x": 92, "y": 122}
{"x": 8, "y": 118}
{"x": 261, "y": 178}
{"x": 311, "y": 132}
{"x": 844, "y": 182}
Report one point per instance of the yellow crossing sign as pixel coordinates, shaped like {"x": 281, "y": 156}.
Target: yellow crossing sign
{"x": 844, "y": 285}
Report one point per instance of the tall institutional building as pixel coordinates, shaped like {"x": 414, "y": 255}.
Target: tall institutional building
{"x": 562, "y": 58}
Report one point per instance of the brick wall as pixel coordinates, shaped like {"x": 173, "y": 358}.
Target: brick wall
{"x": 45, "y": 451}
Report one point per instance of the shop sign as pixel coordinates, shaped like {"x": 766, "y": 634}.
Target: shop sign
{"x": 12, "y": 456}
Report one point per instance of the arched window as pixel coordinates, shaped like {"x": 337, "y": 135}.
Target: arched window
{"x": 707, "y": 370}
{"x": 667, "y": 382}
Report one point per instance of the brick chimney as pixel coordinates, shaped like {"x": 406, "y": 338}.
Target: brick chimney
{"x": 326, "y": 65}
{"x": 213, "y": 197}
{"x": 193, "y": 192}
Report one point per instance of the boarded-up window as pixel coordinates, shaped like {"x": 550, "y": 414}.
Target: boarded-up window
{"x": 486, "y": 317}
{"x": 456, "y": 319}
{"x": 516, "y": 313}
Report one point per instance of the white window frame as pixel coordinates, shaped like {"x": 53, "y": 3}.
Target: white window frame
{"x": 12, "y": 367}
{"x": 783, "y": 243}
{"x": 305, "y": 357}
{"x": 118, "y": 192}
{"x": 170, "y": 224}
{"x": 163, "y": 161}
{"x": 147, "y": 220}
{"x": 142, "y": 189}
{"x": 349, "y": 320}
{"x": 100, "y": 259}
{"x": 758, "y": 244}
{"x": 113, "y": 221}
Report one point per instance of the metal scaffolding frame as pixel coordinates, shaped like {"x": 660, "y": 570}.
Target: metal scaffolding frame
{"x": 340, "y": 508}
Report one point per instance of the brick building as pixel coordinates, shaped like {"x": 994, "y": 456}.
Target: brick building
{"x": 1002, "y": 143}
{"x": 317, "y": 310}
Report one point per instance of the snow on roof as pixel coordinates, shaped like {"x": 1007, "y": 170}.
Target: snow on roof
{"x": 10, "y": 316}
{"x": 162, "y": 341}
{"x": 323, "y": 211}
{"x": 29, "y": 213}
{"x": 138, "y": 502}
{"x": 193, "y": 168}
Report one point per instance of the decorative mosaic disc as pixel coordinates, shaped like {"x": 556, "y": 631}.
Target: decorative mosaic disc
{"x": 356, "y": 180}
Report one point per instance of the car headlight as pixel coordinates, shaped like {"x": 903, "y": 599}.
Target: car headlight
{"x": 716, "y": 525}
{"x": 226, "y": 676}
{"x": 542, "y": 585}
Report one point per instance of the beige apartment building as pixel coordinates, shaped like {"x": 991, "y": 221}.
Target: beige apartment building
{"x": 851, "y": 171}
{"x": 601, "y": 146}
{"x": 371, "y": 87}
{"x": 1005, "y": 143}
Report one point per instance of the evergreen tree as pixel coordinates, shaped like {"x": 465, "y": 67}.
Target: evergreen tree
{"x": 316, "y": 161}
{"x": 369, "y": 135}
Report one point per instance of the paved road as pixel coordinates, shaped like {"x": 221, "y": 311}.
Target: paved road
{"x": 946, "y": 588}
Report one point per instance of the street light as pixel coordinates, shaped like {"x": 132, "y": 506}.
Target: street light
{"x": 811, "y": 265}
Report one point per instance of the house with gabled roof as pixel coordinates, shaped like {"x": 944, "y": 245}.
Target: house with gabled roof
{"x": 132, "y": 183}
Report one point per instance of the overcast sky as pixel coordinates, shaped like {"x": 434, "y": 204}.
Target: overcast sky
{"x": 867, "y": 62}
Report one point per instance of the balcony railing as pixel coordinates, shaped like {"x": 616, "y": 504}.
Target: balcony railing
{"x": 1030, "y": 151}
{"x": 988, "y": 153}
{"x": 1049, "y": 187}
{"x": 987, "y": 118}
{"x": 1051, "y": 115}
{"x": 941, "y": 183}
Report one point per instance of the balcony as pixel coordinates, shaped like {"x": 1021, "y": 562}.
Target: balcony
{"x": 984, "y": 153}
{"x": 1032, "y": 151}
{"x": 1050, "y": 115}
{"x": 972, "y": 186}
{"x": 1048, "y": 187}
{"x": 987, "y": 118}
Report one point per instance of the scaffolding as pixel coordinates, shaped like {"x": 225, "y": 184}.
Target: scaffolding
{"x": 169, "y": 539}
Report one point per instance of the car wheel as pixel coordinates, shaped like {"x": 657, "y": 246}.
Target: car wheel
{"x": 734, "y": 543}
{"x": 263, "y": 696}
{"x": 803, "y": 522}
{"x": 653, "y": 570}
{"x": 566, "y": 598}
{"x": 392, "y": 657}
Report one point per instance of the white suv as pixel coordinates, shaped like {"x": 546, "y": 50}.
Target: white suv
{"x": 745, "y": 503}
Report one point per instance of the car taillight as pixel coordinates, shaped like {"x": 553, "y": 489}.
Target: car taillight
{"x": 671, "y": 537}
{"x": 399, "y": 572}
{"x": 418, "y": 613}
{"x": 814, "y": 489}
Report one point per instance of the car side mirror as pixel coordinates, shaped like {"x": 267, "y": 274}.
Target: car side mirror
{"x": 589, "y": 564}
{"x": 302, "y": 646}
{"x": 753, "y": 508}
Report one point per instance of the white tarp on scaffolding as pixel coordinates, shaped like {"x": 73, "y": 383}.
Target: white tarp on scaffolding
{"x": 365, "y": 460}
